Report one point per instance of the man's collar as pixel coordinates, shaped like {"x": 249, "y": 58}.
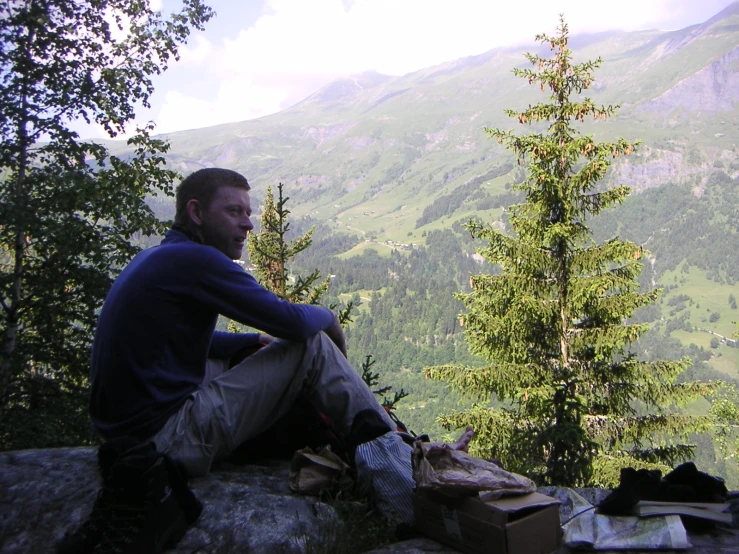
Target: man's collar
{"x": 183, "y": 230}
{"x": 175, "y": 236}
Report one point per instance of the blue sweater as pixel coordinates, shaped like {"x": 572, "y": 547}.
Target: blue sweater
{"x": 157, "y": 328}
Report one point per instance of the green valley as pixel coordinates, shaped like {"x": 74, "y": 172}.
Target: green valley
{"x": 388, "y": 169}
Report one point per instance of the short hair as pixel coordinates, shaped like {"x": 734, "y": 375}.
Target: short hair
{"x": 202, "y": 186}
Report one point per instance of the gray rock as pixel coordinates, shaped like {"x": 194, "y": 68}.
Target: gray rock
{"x": 246, "y": 508}
{"x": 415, "y": 546}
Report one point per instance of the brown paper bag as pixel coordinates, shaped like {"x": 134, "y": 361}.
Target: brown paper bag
{"x": 438, "y": 467}
{"x": 311, "y": 472}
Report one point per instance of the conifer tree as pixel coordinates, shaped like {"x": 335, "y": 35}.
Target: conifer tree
{"x": 270, "y": 252}
{"x": 725, "y": 413}
{"x": 553, "y": 324}
{"x": 372, "y": 379}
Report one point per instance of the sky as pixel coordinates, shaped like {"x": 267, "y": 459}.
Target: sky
{"x": 258, "y": 57}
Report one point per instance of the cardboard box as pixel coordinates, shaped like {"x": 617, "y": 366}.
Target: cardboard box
{"x": 527, "y": 524}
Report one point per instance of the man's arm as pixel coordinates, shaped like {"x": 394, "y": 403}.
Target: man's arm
{"x": 336, "y": 334}
{"x": 241, "y": 355}
{"x": 232, "y": 292}
{"x": 225, "y": 345}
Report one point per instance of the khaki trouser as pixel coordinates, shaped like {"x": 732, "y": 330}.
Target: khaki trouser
{"x": 236, "y": 405}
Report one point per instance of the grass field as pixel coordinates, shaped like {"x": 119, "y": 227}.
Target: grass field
{"x": 380, "y": 247}
{"x": 364, "y": 294}
{"x": 706, "y": 298}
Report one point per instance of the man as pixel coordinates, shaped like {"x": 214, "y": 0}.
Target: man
{"x": 159, "y": 369}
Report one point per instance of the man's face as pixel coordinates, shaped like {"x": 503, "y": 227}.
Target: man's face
{"x": 226, "y": 222}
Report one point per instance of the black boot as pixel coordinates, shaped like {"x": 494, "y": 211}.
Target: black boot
{"x": 114, "y": 450}
{"x": 84, "y": 539}
{"x": 185, "y": 497}
{"x": 89, "y": 534}
{"x": 145, "y": 516}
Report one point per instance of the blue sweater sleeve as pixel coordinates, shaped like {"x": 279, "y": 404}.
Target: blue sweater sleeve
{"x": 225, "y": 345}
{"x": 235, "y": 294}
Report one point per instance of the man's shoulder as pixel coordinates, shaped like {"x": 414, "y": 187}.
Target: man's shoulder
{"x": 176, "y": 251}
{"x": 185, "y": 248}
{"x": 188, "y": 256}
{"x": 178, "y": 260}
{"x": 175, "y": 244}
{"x": 172, "y": 257}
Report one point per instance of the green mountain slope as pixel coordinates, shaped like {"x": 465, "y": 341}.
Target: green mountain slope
{"x": 372, "y": 151}
{"x": 382, "y": 158}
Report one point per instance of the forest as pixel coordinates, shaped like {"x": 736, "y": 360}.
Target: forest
{"x": 579, "y": 320}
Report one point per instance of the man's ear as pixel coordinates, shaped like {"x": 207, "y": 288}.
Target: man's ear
{"x": 194, "y": 211}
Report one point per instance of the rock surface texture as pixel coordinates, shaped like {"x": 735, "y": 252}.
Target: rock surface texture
{"x": 246, "y": 509}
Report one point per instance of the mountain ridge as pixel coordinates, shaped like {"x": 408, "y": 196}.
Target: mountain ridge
{"x": 387, "y": 168}
{"x": 391, "y": 146}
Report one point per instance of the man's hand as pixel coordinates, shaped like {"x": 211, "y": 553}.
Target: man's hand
{"x": 336, "y": 334}
{"x": 241, "y": 355}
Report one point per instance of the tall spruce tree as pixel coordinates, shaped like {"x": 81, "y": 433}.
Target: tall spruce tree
{"x": 553, "y": 324}
{"x": 270, "y": 251}
{"x": 725, "y": 413}
{"x": 69, "y": 212}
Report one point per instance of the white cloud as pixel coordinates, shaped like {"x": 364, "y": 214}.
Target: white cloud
{"x": 237, "y": 99}
{"x": 195, "y": 54}
{"x": 397, "y": 36}
{"x": 296, "y": 44}
{"x": 184, "y": 112}
{"x": 120, "y": 23}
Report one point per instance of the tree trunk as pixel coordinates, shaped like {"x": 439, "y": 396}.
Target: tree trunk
{"x": 14, "y": 305}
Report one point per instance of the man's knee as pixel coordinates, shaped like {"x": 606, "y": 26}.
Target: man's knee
{"x": 323, "y": 341}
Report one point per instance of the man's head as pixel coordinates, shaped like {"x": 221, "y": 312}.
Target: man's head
{"x": 213, "y": 205}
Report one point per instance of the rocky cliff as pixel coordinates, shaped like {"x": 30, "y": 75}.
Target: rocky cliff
{"x": 715, "y": 88}
{"x": 247, "y": 509}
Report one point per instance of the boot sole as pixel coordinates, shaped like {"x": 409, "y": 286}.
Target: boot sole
{"x": 179, "y": 529}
